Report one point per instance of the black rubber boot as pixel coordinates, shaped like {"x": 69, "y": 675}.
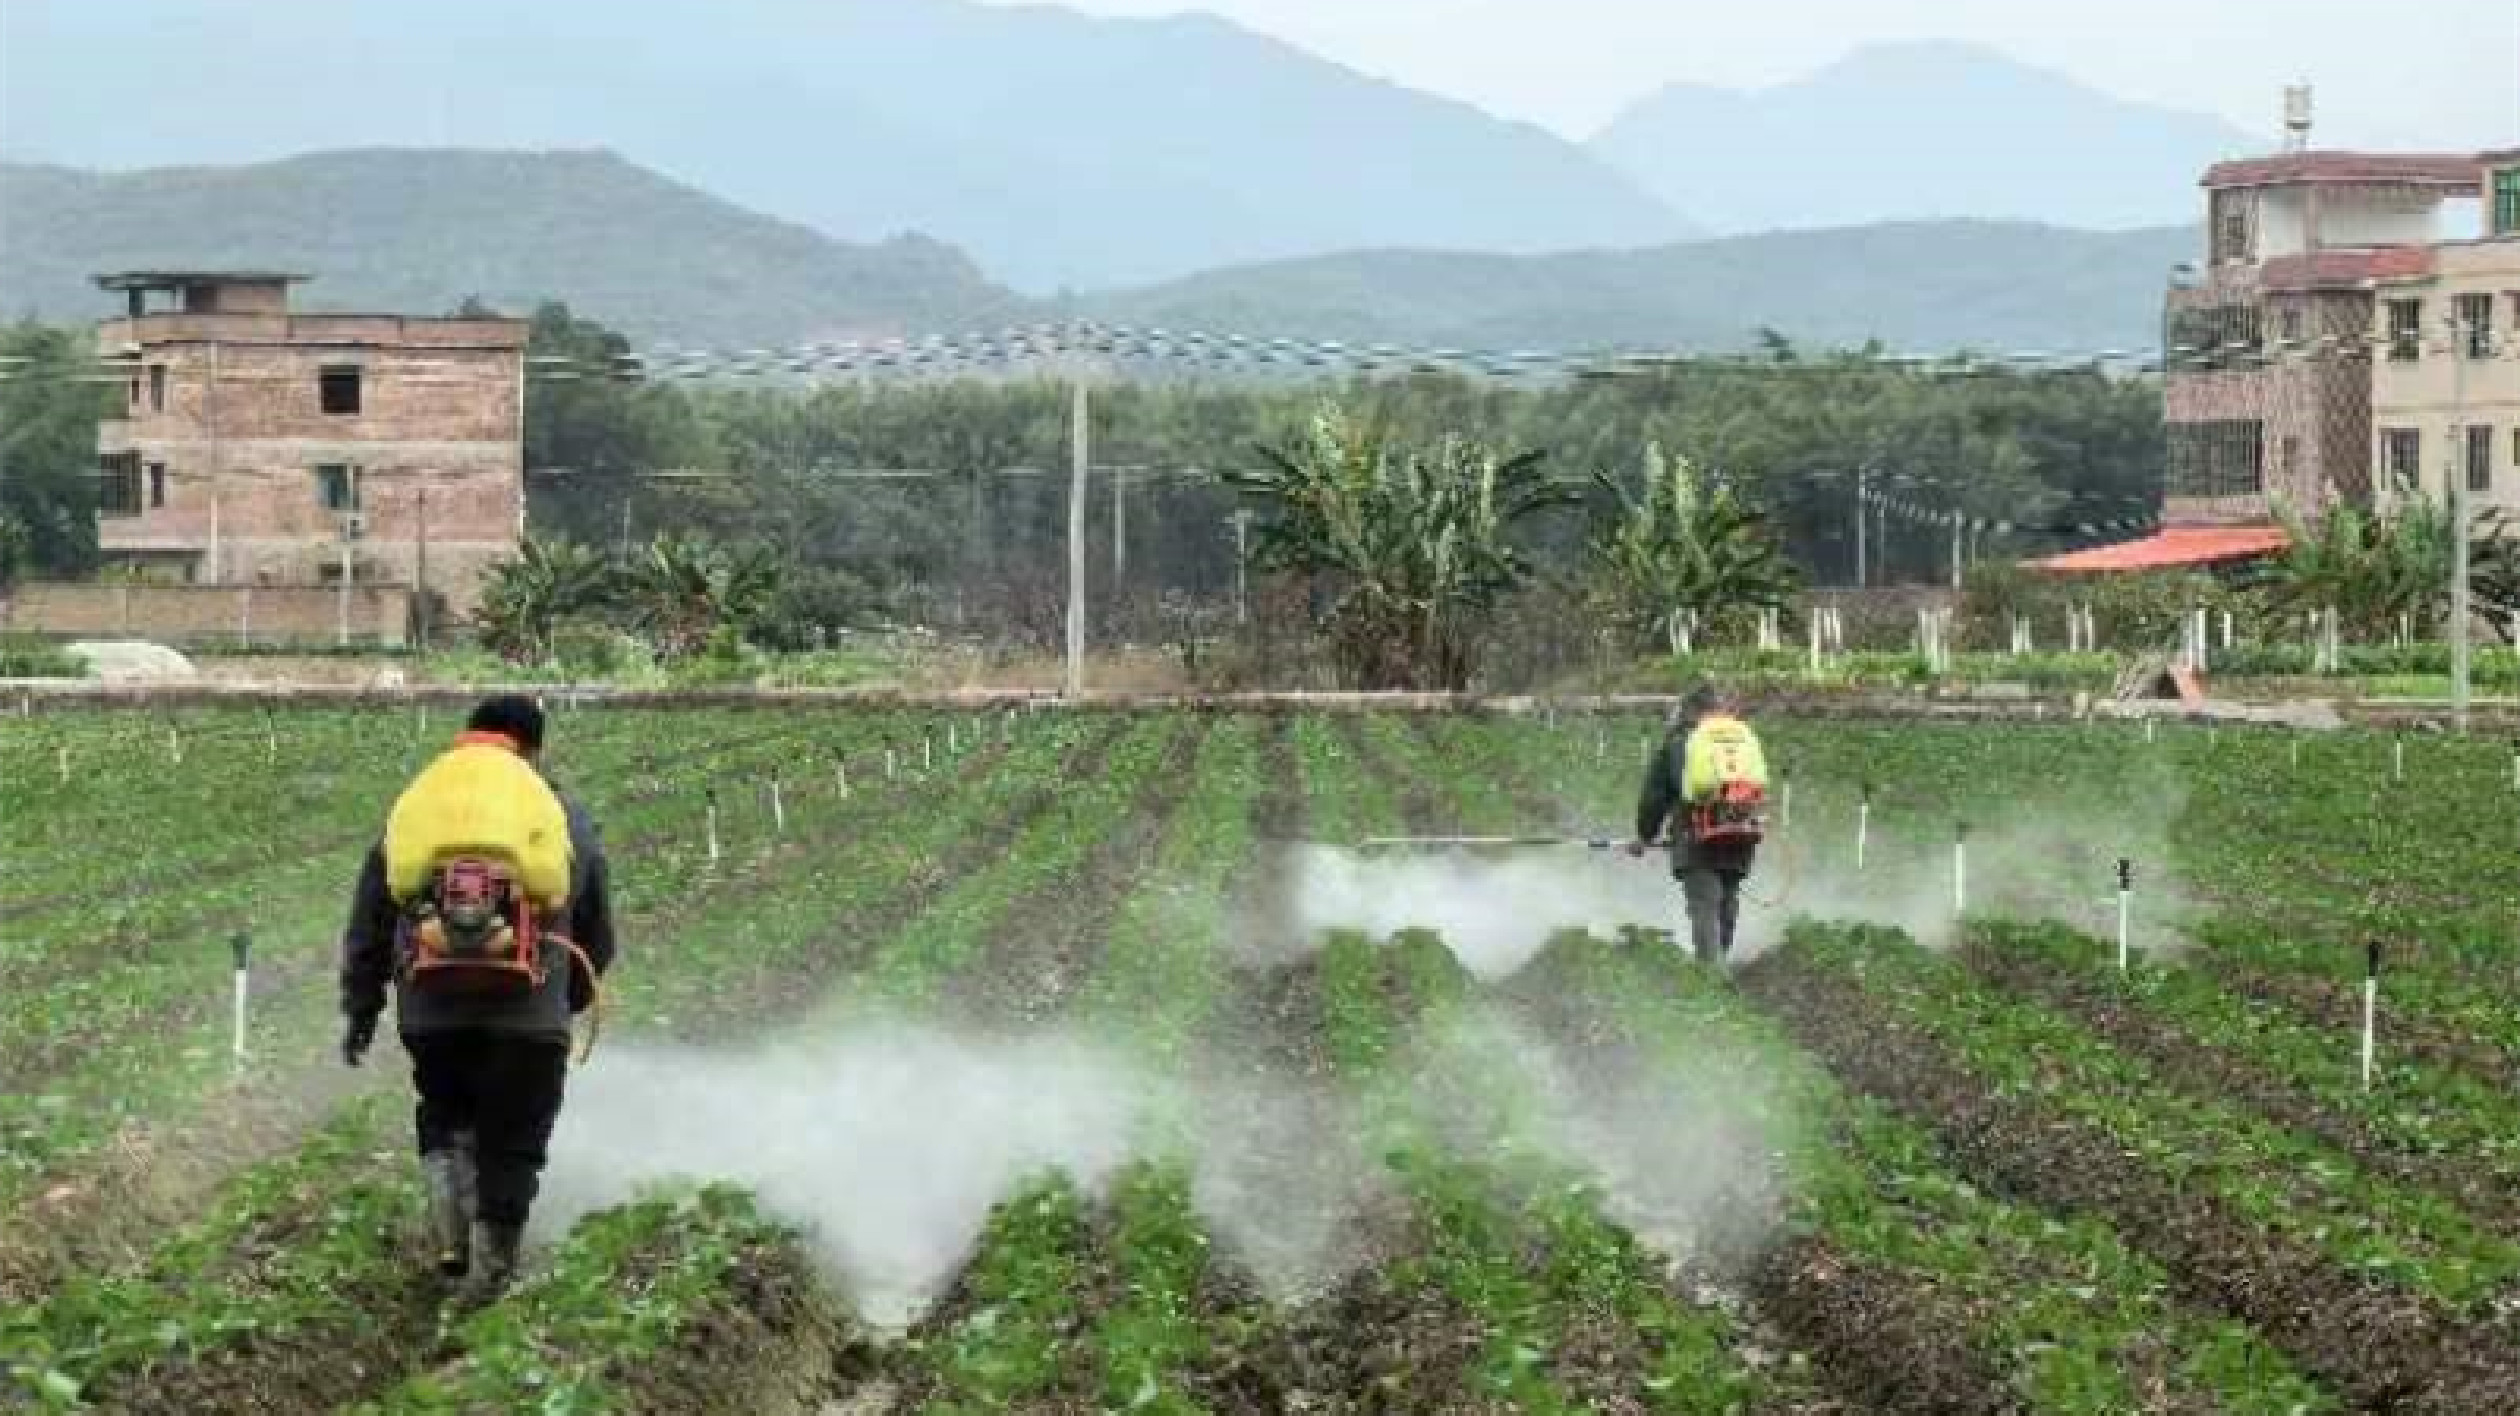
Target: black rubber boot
{"x": 495, "y": 1246}
{"x": 450, "y": 1223}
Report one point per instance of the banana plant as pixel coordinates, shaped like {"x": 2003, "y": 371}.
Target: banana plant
{"x": 526, "y": 601}
{"x": 1414, "y": 546}
{"x": 1681, "y": 551}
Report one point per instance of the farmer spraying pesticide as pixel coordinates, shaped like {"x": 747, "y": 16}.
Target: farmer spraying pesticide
{"x": 1707, "y": 783}
{"x": 486, "y": 906}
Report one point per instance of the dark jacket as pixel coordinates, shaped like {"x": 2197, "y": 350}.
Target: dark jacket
{"x": 1660, "y": 805}
{"x": 371, "y": 955}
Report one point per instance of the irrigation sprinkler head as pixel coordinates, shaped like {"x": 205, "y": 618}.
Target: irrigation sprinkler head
{"x": 2125, "y": 873}
{"x": 240, "y": 945}
{"x": 2371, "y": 959}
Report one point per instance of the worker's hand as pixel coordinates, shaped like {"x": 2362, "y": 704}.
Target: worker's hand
{"x": 357, "y": 1038}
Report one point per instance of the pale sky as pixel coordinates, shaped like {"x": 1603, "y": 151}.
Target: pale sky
{"x": 2442, "y": 73}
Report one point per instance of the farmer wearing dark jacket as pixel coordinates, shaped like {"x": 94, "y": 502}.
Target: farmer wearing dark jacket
{"x": 488, "y": 1061}
{"x": 1709, "y": 755}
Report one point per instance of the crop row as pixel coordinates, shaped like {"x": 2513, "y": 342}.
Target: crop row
{"x": 1921, "y": 1291}
{"x": 2388, "y": 1293}
{"x": 197, "y": 1307}
{"x": 138, "y": 1031}
{"x": 2436, "y": 1127}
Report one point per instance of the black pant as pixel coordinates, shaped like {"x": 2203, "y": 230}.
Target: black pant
{"x": 1714, "y": 898}
{"x": 501, "y": 1090}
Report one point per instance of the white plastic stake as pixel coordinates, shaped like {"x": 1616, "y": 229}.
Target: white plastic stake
{"x": 174, "y": 746}
{"x": 2296, "y": 755}
{"x": 927, "y": 754}
{"x": 2148, "y": 730}
{"x": 239, "y": 946}
{"x": 715, "y": 854}
{"x": 1960, "y": 871}
{"x": 841, "y": 771}
{"x": 2397, "y": 756}
{"x": 2371, "y": 1010}
{"x": 2515, "y": 767}
{"x": 1863, "y": 826}
{"x": 61, "y": 759}
{"x": 1785, "y": 806}
{"x": 778, "y": 806}
{"x": 892, "y": 764}
{"x": 953, "y": 739}
{"x": 2126, "y": 910}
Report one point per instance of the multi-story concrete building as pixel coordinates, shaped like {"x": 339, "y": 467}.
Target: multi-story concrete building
{"x": 2268, "y": 376}
{"x": 2445, "y": 385}
{"x": 265, "y": 446}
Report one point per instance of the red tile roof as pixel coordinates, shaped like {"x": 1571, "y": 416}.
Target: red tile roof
{"x": 2321, "y": 270}
{"x": 2174, "y": 546}
{"x": 2423, "y": 169}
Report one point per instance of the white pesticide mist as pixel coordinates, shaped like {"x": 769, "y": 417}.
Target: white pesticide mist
{"x": 1494, "y": 907}
{"x": 1683, "y": 1150}
{"x": 888, "y": 1141}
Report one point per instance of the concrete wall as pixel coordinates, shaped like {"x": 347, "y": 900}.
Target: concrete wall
{"x": 2377, "y": 216}
{"x": 180, "y": 613}
{"x": 2436, "y": 392}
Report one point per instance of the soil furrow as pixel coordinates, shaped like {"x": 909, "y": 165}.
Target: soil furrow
{"x": 2204, "y": 1069}
{"x": 1047, "y": 944}
{"x": 2386, "y": 1348}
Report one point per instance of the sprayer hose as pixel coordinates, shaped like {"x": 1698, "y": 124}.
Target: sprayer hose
{"x": 595, "y": 1000}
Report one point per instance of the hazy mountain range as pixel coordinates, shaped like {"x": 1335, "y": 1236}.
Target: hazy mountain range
{"x": 1064, "y": 150}
{"x": 1898, "y": 132}
{"x": 1057, "y": 148}
{"x": 422, "y": 230}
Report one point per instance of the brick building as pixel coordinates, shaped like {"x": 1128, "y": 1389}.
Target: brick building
{"x": 264, "y": 446}
{"x": 2268, "y": 388}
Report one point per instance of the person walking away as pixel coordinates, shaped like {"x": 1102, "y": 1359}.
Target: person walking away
{"x": 486, "y": 908}
{"x": 1707, "y": 784}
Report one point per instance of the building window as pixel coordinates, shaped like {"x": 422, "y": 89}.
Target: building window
{"x": 2507, "y": 201}
{"x": 2292, "y": 324}
{"x": 2475, "y": 315}
{"x": 2211, "y": 337}
{"x": 157, "y": 388}
{"x": 2226, "y": 458}
{"x": 339, "y": 388}
{"x": 2480, "y": 458}
{"x": 2406, "y": 329}
{"x": 337, "y": 487}
{"x": 2402, "y": 458}
{"x": 157, "y": 485}
{"x": 118, "y": 484}
{"x": 2231, "y": 227}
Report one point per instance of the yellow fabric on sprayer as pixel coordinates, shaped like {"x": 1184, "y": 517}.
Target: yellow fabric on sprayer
{"x": 1721, "y": 749}
{"x": 479, "y": 798}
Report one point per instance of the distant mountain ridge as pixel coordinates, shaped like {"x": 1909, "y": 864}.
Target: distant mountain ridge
{"x": 1932, "y": 286}
{"x": 1915, "y": 131}
{"x": 420, "y": 231}
{"x": 1060, "y": 149}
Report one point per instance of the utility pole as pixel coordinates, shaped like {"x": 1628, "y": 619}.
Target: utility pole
{"x": 1242, "y": 566}
{"x": 420, "y": 559}
{"x": 1863, "y": 497}
{"x": 1119, "y": 531}
{"x": 2460, "y": 348}
{"x": 1080, "y": 454}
